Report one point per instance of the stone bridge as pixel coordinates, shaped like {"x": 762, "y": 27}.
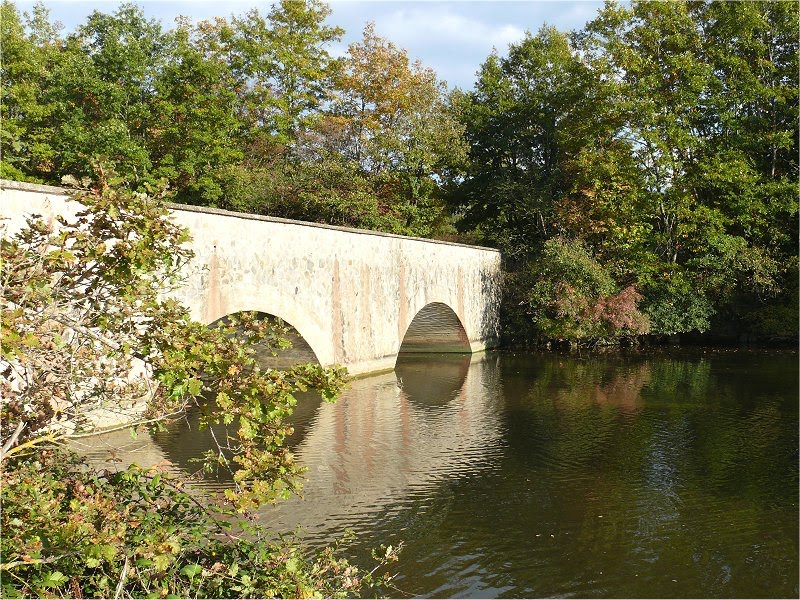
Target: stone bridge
{"x": 355, "y": 298}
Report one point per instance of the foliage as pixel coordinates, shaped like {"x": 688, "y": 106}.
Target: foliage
{"x": 84, "y": 312}
{"x": 664, "y": 137}
{"x": 244, "y": 113}
{"x": 85, "y": 325}
{"x": 330, "y": 192}
{"x": 195, "y": 129}
{"x": 709, "y": 95}
{"x": 302, "y": 68}
{"x": 135, "y": 533}
{"x": 392, "y": 113}
{"x": 570, "y": 296}
{"x": 529, "y": 114}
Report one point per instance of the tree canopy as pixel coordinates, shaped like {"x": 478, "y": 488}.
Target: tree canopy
{"x": 661, "y": 138}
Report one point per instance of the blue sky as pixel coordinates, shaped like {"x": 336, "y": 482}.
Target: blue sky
{"x": 453, "y": 37}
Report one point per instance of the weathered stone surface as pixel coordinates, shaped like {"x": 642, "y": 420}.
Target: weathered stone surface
{"x": 351, "y": 294}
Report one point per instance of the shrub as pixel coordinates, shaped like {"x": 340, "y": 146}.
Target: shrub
{"x": 567, "y": 294}
{"x": 85, "y": 324}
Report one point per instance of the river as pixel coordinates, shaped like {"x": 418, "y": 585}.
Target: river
{"x": 667, "y": 474}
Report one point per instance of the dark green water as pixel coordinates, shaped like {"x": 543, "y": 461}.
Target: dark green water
{"x": 531, "y": 475}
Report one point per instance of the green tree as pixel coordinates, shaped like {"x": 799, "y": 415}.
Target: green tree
{"x": 30, "y": 48}
{"x": 105, "y": 89}
{"x": 85, "y": 323}
{"x": 285, "y": 65}
{"x": 530, "y": 114}
{"x": 69, "y": 102}
{"x": 198, "y": 131}
{"x": 710, "y": 98}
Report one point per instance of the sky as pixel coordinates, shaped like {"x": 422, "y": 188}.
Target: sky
{"x": 453, "y": 37}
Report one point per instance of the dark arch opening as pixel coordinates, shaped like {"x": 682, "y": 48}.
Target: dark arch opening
{"x": 184, "y": 441}
{"x": 300, "y": 351}
{"x": 435, "y": 328}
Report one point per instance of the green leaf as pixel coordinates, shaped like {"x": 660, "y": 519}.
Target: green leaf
{"x": 191, "y": 571}
{"x": 54, "y": 579}
{"x": 9, "y": 591}
{"x": 195, "y": 386}
{"x": 161, "y": 562}
{"x": 292, "y": 565}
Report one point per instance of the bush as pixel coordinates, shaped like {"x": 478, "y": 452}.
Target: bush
{"x": 84, "y": 325}
{"x": 566, "y": 294}
{"x": 68, "y": 532}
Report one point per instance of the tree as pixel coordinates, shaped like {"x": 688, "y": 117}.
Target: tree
{"x": 391, "y": 119}
{"x": 394, "y": 113}
{"x": 715, "y": 198}
{"x": 567, "y": 294}
{"x": 105, "y": 90}
{"x": 30, "y": 50}
{"x": 530, "y": 115}
{"x": 198, "y": 131}
{"x": 285, "y": 65}
{"x": 85, "y": 323}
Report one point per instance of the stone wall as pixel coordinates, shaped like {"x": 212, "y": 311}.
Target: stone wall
{"x": 351, "y": 294}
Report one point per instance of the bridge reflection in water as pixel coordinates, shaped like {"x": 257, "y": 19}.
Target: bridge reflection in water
{"x": 386, "y": 441}
{"x": 389, "y": 439}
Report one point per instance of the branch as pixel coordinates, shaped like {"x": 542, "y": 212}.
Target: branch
{"x": 36, "y": 561}
{"x": 72, "y": 324}
{"x": 68, "y": 322}
{"x": 77, "y": 436}
{"x": 30, "y": 443}
{"x": 12, "y": 440}
{"x": 122, "y": 578}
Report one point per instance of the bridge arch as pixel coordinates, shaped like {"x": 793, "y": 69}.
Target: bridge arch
{"x": 300, "y": 352}
{"x": 435, "y": 328}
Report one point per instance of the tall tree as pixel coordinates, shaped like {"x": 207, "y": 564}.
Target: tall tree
{"x": 198, "y": 128}
{"x": 529, "y": 116}
{"x": 395, "y": 112}
{"x": 30, "y": 48}
{"x": 108, "y": 88}
{"x": 717, "y": 198}
{"x": 285, "y": 64}
{"x": 391, "y": 118}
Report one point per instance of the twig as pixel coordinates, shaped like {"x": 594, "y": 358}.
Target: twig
{"x": 28, "y": 444}
{"x": 13, "y": 439}
{"x": 122, "y": 578}
{"x": 77, "y": 436}
{"x": 35, "y": 561}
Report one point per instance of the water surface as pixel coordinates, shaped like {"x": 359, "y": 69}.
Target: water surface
{"x": 538, "y": 475}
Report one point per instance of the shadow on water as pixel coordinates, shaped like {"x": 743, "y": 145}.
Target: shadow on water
{"x": 185, "y": 440}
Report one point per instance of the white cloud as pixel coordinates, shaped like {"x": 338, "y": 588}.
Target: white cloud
{"x": 456, "y": 37}
{"x": 443, "y": 27}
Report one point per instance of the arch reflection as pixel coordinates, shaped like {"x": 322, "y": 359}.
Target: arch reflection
{"x": 431, "y": 380}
